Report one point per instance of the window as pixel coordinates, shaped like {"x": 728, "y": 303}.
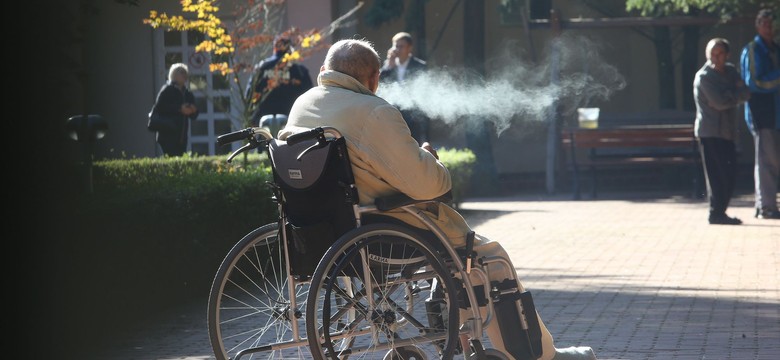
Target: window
{"x": 512, "y": 11}
{"x": 172, "y": 58}
{"x": 172, "y": 38}
{"x": 198, "y": 83}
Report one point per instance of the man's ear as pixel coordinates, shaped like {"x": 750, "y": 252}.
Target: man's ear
{"x": 322, "y": 68}
{"x": 374, "y": 82}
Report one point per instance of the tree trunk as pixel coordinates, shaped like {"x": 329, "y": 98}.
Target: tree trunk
{"x": 474, "y": 35}
{"x": 416, "y": 25}
{"x": 484, "y": 179}
{"x": 690, "y": 64}
{"x": 663, "y": 53}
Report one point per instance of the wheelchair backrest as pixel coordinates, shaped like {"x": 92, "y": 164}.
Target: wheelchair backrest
{"x": 317, "y": 194}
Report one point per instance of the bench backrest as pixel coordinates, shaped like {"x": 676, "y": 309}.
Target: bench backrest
{"x": 630, "y": 138}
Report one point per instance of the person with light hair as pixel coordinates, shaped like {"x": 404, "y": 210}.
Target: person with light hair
{"x": 717, "y": 90}
{"x": 175, "y": 106}
{"x": 386, "y": 160}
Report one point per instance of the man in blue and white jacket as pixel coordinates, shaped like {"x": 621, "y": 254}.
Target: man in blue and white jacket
{"x": 761, "y": 72}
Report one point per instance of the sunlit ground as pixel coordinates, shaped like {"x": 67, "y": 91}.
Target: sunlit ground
{"x": 635, "y": 279}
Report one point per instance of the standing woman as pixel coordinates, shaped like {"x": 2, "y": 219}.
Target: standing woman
{"x": 717, "y": 90}
{"x": 175, "y": 103}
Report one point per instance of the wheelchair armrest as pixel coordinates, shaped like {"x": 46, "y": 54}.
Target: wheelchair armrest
{"x": 395, "y": 201}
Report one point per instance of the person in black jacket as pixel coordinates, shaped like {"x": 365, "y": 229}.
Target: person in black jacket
{"x": 275, "y": 85}
{"x": 401, "y": 66}
{"x": 175, "y": 102}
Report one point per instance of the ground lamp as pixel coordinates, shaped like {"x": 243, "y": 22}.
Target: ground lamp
{"x": 86, "y": 129}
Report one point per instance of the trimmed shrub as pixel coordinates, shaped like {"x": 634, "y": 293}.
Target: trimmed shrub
{"x": 460, "y": 163}
{"x": 150, "y": 172}
{"x": 155, "y": 230}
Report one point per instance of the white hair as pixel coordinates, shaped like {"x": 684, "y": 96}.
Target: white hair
{"x": 356, "y": 58}
{"x": 175, "y": 68}
{"x": 715, "y": 42}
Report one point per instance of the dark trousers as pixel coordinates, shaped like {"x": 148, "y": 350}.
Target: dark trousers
{"x": 171, "y": 143}
{"x": 719, "y": 157}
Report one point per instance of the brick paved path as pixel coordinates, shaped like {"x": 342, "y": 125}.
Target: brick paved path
{"x": 634, "y": 279}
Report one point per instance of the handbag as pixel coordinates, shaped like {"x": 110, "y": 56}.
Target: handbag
{"x": 159, "y": 122}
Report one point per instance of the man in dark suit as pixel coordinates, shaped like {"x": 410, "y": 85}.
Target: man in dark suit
{"x": 400, "y": 66}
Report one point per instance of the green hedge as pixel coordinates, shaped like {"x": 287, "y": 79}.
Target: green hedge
{"x": 460, "y": 163}
{"x": 153, "y": 234}
{"x": 155, "y": 230}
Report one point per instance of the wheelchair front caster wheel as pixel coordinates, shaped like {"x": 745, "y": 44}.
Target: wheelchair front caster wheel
{"x": 493, "y": 354}
{"x": 405, "y": 353}
{"x": 480, "y": 353}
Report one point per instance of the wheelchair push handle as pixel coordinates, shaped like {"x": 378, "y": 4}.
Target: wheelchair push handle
{"x": 233, "y": 137}
{"x": 306, "y": 135}
{"x": 250, "y": 135}
{"x": 245, "y": 134}
{"x": 318, "y": 133}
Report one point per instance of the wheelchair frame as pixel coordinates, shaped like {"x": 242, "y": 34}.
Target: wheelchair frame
{"x": 470, "y": 329}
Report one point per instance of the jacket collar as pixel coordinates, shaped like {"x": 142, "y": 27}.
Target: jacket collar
{"x": 760, "y": 41}
{"x": 344, "y": 81}
{"x": 171, "y": 84}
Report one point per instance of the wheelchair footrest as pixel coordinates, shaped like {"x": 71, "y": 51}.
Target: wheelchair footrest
{"x": 519, "y": 325}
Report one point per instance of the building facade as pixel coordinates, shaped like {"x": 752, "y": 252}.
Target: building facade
{"x": 127, "y": 63}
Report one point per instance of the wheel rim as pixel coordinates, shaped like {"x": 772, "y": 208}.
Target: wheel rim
{"x": 362, "y": 328}
{"x": 250, "y": 304}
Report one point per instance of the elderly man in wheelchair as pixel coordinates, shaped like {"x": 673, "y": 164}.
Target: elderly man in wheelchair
{"x": 365, "y": 260}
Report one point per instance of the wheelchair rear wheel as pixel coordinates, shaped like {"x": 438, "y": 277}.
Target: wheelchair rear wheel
{"x": 382, "y": 287}
{"x": 250, "y": 303}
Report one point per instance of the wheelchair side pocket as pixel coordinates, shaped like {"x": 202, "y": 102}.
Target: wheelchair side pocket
{"x": 307, "y": 245}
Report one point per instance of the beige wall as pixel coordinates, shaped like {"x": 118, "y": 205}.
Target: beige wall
{"x": 307, "y": 15}
{"x": 120, "y": 82}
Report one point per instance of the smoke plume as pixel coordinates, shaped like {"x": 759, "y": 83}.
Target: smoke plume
{"x": 516, "y": 91}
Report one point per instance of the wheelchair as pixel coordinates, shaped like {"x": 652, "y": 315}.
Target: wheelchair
{"x": 332, "y": 279}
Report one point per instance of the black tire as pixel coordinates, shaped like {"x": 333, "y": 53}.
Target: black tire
{"x": 248, "y": 302}
{"x": 417, "y": 303}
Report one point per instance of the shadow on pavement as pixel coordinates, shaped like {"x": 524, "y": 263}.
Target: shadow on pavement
{"x": 634, "y": 322}
{"x": 628, "y": 324}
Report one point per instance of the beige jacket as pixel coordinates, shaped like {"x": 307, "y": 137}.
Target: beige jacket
{"x": 385, "y": 158}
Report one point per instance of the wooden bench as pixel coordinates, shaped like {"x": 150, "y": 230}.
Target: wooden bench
{"x": 630, "y": 146}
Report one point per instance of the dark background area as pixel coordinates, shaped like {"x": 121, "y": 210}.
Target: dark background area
{"x": 80, "y": 268}
{"x": 44, "y": 182}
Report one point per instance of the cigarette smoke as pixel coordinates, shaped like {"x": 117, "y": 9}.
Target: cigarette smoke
{"x": 517, "y": 91}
